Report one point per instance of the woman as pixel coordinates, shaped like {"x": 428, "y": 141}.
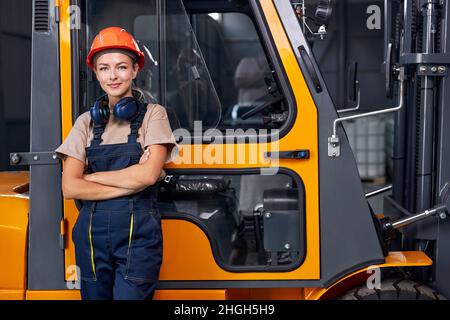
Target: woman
{"x": 117, "y": 236}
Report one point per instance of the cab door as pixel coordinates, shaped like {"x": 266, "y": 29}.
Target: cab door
{"x": 240, "y": 202}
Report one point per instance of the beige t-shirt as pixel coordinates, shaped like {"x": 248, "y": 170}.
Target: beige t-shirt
{"x": 155, "y": 129}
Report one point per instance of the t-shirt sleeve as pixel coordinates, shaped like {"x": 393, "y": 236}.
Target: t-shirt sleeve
{"x": 75, "y": 143}
{"x": 158, "y": 131}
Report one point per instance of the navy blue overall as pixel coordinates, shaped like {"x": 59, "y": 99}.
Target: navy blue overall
{"x": 118, "y": 242}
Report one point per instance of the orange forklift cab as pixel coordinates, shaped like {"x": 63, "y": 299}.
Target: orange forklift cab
{"x": 255, "y": 206}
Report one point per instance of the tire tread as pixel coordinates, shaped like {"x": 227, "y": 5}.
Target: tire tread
{"x": 394, "y": 289}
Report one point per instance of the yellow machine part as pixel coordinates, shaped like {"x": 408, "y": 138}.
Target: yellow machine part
{"x": 13, "y": 234}
{"x": 394, "y": 259}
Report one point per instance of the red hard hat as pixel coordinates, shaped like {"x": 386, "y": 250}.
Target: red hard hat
{"x": 114, "y": 38}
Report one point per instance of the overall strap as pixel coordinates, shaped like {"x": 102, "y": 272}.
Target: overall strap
{"x": 98, "y": 132}
{"x": 136, "y": 123}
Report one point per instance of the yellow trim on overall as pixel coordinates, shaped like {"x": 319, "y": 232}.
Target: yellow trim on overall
{"x": 92, "y": 246}
{"x": 131, "y": 230}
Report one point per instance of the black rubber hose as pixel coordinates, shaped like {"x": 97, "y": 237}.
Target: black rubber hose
{"x": 259, "y": 241}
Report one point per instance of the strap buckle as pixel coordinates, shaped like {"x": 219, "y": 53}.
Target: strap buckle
{"x": 168, "y": 178}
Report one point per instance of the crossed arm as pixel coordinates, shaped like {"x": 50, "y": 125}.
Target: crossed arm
{"x": 113, "y": 184}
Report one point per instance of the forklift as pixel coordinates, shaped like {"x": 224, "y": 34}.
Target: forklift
{"x": 284, "y": 215}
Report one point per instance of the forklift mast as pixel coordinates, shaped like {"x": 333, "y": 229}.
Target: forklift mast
{"x": 416, "y": 40}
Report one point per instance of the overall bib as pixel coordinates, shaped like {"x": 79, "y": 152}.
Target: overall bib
{"x": 118, "y": 242}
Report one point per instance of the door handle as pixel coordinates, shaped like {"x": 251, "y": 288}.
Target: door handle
{"x": 292, "y": 154}
{"x": 310, "y": 68}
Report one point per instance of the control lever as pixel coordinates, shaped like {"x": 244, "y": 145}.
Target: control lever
{"x": 334, "y": 148}
{"x": 442, "y": 210}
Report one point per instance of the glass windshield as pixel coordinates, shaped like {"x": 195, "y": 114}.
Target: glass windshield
{"x": 186, "y": 80}
{"x": 239, "y": 68}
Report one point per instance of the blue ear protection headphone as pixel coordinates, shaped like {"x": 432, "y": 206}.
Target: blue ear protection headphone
{"x": 126, "y": 109}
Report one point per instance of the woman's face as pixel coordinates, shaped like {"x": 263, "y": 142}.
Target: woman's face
{"x": 115, "y": 72}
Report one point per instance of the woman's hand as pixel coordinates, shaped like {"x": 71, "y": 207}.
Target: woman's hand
{"x": 143, "y": 159}
{"x": 144, "y": 174}
{"x": 77, "y": 185}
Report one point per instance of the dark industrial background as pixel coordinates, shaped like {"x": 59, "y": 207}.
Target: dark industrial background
{"x": 15, "y": 69}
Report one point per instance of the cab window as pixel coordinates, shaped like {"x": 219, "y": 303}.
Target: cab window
{"x": 203, "y": 66}
{"x": 239, "y": 68}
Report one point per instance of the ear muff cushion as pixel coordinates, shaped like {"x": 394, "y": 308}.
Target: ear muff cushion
{"x": 126, "y": 109}
{"x": 100, "y": 112}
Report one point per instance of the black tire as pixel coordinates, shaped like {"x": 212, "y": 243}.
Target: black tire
{"x": 394, "y": 289}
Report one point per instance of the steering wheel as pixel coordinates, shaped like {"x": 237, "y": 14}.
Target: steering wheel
{"x": 262, "y": 107}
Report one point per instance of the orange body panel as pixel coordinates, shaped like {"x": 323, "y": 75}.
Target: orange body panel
{"x": 53, "y": 295}
{"x": 209, "y": 294}
{"x": 13, "y": 234}
{"x": 188, "y": 256}
{"x": 159, "y": 295}
{"x": 265, "y": 294}
{"x": 394, "y": 259}
{"x": 201, "y": 294}
{"x": 10, "y": 180}
{"x": 12, "y": 294}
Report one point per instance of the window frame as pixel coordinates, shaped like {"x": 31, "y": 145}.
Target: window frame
{"x": 81, "y": 73}
{"x": 214, "y": 249}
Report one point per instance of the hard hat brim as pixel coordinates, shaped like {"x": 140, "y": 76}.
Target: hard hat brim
{"x": 90, "y": 58}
